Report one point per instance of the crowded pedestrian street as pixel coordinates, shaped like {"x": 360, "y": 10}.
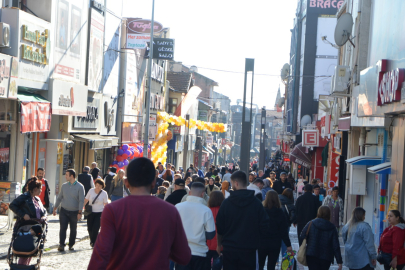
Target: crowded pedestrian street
{"x": 202, "y": 135}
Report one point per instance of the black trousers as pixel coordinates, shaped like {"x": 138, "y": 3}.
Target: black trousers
{"x": 367, "y": 267}
{"x": 217, "y": 261}
{"x": 67, "y": 218}
{"x": 315, "y": 263}
{"x": 273, "y": 257}
{"x": 196, "y": 263}
{"x": 93, "y": 226}
{"x": 239, "y": 259}
{"x": 300, "y": 227}
{"x": 399, "y": 267}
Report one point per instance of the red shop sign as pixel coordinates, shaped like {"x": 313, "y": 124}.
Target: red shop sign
{"x": 389, "y": 83}
{"x": 35, "y": 116}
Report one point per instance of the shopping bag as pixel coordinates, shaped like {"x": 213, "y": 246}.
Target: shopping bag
{"x": 302, "y": 252}
{"x": 288, "y": 261}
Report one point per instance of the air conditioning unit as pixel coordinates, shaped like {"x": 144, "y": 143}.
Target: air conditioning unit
{"x": 340, "y": 80}
{"x": 4, "y": 35}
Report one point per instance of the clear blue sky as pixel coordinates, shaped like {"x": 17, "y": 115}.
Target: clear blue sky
{"x": 220, "y": 34}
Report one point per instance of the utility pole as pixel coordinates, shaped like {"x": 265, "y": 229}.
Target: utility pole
{"x": 246, "y": 120}
{"x": 262, "y": 154}
{"x": 185, "y": 150}
{"x": 147, "y": 104}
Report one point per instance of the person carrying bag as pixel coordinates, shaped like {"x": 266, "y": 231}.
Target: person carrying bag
{"x": 302, "y": 252}
{"x": 94, "y": 210}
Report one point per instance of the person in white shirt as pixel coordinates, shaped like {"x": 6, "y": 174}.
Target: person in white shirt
{"x": 198, "y": 223}
{"x": 97, "y": 198}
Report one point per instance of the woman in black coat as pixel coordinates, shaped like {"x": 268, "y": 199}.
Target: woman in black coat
{"x": 322, "y": 241}
{"x": 288, "y": 207}
{"x": 28, "y": 205}
{"x": 278, "y": 231}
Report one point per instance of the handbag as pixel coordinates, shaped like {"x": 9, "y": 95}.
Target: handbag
{"x": 88, "y": 209}
{"x": 302, "y": 252}
{"x": 384, "y": 258}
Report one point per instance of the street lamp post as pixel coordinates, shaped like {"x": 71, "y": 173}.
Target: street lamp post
{"x": 147, "y": 104}
{"x": 262, "y": 156}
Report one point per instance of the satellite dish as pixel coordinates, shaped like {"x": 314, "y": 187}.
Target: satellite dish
{"x": 343, "y": 29}
{"x": 305, "y": 120}
{"x": 285, "y": 71}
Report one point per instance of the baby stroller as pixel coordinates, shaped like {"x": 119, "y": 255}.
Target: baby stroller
{"x": 24, "y": 245}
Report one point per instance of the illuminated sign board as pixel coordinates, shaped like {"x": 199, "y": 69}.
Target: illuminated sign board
{"x": 30, "y": 53}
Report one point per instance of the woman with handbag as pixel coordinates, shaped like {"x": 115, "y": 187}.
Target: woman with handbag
{"x": 359, "y": 242}
{"x": 288, "y": 207}
{"x": 117, "y": 187}
{"x": 277, "y": 232}
{"x": 322, "y": 242}
{"x": 391, "y": 251}
{"x": 97, "y": 199}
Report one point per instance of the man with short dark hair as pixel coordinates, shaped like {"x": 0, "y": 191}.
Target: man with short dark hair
{"x": 238, "y": 214}
{"x": 251, "y": 177}
{"x": 109, "y": 178}
{"x": 170, "y": 190}
{"x": 306, "y": 209}
{"x": 71, "y": 199}
{"x": 130, "y": 236}
{"x": 280, "y": 185}
{"x": 199, "y": 225}
{"x": 86, "y": 180}
{"x": 202, "y": 181}
{"x": 316, "y": 189}
{"x": 178, "y": 193}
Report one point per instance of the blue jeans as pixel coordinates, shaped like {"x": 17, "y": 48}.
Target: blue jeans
{"x": 171, "y": 265}
{"x": 114, "y": 198}
{"x": 283, "y": 246}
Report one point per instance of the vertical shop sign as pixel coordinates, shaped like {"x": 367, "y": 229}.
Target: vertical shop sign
{"x": 95, "y": 70}
{"x": 334, "y": 170}
{"x": 394, "y": 198}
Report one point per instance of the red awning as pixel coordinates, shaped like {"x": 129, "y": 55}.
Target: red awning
{"x": 35, "y": 116}
{"x": 299, "y": 156}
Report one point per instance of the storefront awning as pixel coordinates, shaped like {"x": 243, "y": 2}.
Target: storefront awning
{"x": 384, "y": 168}
{"x": 212, "y": 151}
{"x": 57, "y": 140}
{"x": 364, "y": 160}
{"x": 208, "y": 151}
{"x": 30, "y": 97}
{"x": 95, "y": 141}
{"x": 114, "y": 140}
{"x": 299, "y": 156}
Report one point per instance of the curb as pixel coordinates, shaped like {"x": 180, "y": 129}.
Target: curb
{"x": 4, "y": 255}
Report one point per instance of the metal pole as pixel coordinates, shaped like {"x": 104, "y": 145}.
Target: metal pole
{"x": 262, "y": 154}
{"x": 185, "y": 151}
{"x": 200, "y": 147}
{"x": 246, "y": 124}
{"x": 147, "y": 105}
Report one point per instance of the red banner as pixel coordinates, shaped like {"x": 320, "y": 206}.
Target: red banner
{"x": 35, "y": 117}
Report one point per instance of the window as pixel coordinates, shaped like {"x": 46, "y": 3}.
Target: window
{"x": 172, "y": 105}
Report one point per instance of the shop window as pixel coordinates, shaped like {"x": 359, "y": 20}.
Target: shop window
{"x": 172, "y": 105}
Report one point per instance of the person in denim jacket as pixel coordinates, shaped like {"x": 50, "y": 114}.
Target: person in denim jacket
{"x": 358, "y": 237}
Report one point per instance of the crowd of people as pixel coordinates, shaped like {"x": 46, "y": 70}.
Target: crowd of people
{"x": 225, "y": 219}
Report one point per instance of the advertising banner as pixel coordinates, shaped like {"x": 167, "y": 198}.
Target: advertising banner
{"x": 69, "y": 98}
{"x": 70, "y": 40}
{"x": 35, "y": 117}
{"x": 13, "y": 85}
{"x": 91, "y": 120}
{"x": 141, "y": 26}
{"x": 137, "y": 41}
{"x": 4, "y": 75}
{"x": 394, "y": 198}
{"x": 95, "y": 71}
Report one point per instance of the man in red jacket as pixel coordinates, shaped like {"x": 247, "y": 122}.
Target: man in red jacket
{"x": 131, "y": 235}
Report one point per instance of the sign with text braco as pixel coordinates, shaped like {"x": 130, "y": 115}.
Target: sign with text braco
{"x": 163, "y": 48}
{"x": 310, "y": 138}
{"x": 389, "y": 83}
{"x": 326, "y": 3}
{"x": 141, "y": 26}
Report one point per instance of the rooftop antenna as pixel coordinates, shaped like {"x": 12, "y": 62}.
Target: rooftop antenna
{"x": 343, "y": 29}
